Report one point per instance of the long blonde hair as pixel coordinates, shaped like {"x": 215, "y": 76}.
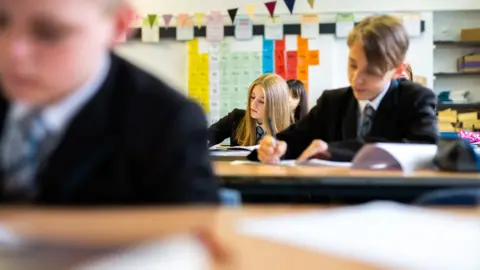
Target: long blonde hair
{"x": 277, "y": 108}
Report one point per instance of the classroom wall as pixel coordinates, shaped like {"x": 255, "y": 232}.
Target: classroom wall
{"x": 321, "y": 6}
{"x": 168, "y": 59}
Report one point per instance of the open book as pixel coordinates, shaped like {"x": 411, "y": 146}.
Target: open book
{"x": 379, "y": 156}
{"x": 219, "y": 147}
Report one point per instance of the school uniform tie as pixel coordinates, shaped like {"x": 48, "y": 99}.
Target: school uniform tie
{"x": 367, "y": 120}
{"x": 260, "y": 133}
{"x": 21, "y": 156}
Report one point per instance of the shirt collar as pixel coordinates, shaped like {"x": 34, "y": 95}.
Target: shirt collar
{"x": 56, "y": 116}
{"x": 376, "y": 101}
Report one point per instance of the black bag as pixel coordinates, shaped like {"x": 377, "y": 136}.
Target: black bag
{"x": 456, "y": 155}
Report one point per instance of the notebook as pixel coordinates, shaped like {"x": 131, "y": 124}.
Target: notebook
{"x": 378, "y": 156}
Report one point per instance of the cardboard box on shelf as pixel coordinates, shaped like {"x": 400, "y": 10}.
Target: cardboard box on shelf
{"x": 469, "y": 63}
{"x": 471, "y": 34}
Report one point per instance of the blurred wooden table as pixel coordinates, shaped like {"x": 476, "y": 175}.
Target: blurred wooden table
{"x": 97, "y": 228}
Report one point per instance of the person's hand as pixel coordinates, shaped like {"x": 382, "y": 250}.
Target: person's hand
{"x": 271, "y": 150}
{"x": 317, "y": 148}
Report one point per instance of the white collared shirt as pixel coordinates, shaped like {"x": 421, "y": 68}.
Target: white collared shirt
{"x": 57, "y": 116}
{"x": 375, "y": 103}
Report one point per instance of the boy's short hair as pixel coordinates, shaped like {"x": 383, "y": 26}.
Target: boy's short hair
{"x": 385, "y": 42}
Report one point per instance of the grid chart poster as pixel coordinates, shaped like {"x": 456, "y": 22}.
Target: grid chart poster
{"x": 219, "y": 74}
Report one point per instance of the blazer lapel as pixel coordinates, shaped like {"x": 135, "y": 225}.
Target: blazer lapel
{"x": 350, "y": 117}
{"x": 384, "y": 112}
{"x": 86, "y": 143}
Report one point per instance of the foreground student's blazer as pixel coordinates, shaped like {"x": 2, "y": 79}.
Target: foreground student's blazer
{"x": 407, "y": 113}
{"x": 226, "y": 128}
{"x": 137, "y": 141}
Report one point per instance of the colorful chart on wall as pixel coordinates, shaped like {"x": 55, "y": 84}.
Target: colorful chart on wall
{"x": 219, "y": 74}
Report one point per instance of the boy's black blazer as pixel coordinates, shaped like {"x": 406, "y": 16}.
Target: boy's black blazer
{"x": 226, "y": 128}
{"x": 137, "y": 141}
{"x": 407, "y": 113}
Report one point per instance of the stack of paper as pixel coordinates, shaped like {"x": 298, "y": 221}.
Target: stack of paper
{"x": 384, "y": 234}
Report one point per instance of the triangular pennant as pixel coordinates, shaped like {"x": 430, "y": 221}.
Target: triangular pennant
{"x": 152, "y": 18}
{"x": 167, "y": 18}
{"x": 199, "y": 18}
{"x": 271, "y": 7}
{"x": 181, "y": 19}
{"x": 290, "y": 4}
{"x": 232, "y": 13}
{"x": 250, "y": 10}
{"x": 312, "y": 3}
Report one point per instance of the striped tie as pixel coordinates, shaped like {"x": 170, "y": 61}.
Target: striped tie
{"x": 22, "y": 157}
{"x": 367, "y": 120}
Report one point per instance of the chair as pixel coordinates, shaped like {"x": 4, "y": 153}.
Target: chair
{"x": 230, "y": 197}
{"x": 451, "y": 197}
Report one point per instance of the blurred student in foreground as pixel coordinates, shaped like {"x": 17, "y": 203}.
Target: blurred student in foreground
{"x": 83, "y": 126}
{"x": 268, "y": 96}
{"x": 374, "y": 108}
{"x": 298, "y": 100}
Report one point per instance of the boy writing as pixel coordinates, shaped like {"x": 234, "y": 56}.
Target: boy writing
{"x": 374, "y": 108}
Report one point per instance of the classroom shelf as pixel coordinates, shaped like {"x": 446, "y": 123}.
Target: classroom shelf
{"x": 456, "y": 74}
{"x": 456, "y": 106}
{"x": 454, "y": 43}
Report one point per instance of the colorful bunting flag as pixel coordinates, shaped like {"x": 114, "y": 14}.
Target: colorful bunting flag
{"x": 167, "y": 18}
{"x": 199, "y": 18}
{"x": 181, "y": 19}
{"x": 312, "y": 3}
{"x": 152, "y": 18}
{"x": 290, "y": 4}
{"x": 271, "y": 7}
{"x": 232, "y": 13}
{"x": 250, "y": 10}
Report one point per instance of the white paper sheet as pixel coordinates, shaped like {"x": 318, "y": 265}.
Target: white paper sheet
{"x": 292, "y": 162}
{"x": 185, "y": 33}
{"x": 150, "y": 34}
{"x": 182, "y": 252}
{"x": 274, "y": 31}
{"x": 234, "y": 148}
{"x": 382, "y": 233}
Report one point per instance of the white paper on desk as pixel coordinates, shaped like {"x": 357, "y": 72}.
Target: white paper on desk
{"x": 181, "y": 252}
{"x": 395, "y": 156}
{"x": 292, "y": 162}
{"x": 236, "y": 148}
{"x": 387, "y": 234}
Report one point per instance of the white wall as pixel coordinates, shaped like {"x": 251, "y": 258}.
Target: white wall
{"x": 447, "y": 26}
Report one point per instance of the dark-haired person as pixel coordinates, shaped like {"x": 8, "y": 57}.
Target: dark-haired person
{"x": 374, "y": 108}
{"x": 298, "y": 99}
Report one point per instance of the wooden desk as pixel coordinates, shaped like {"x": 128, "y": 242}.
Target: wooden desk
{"x": 106, "y": 227}
{"x": 301, "y": 183}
